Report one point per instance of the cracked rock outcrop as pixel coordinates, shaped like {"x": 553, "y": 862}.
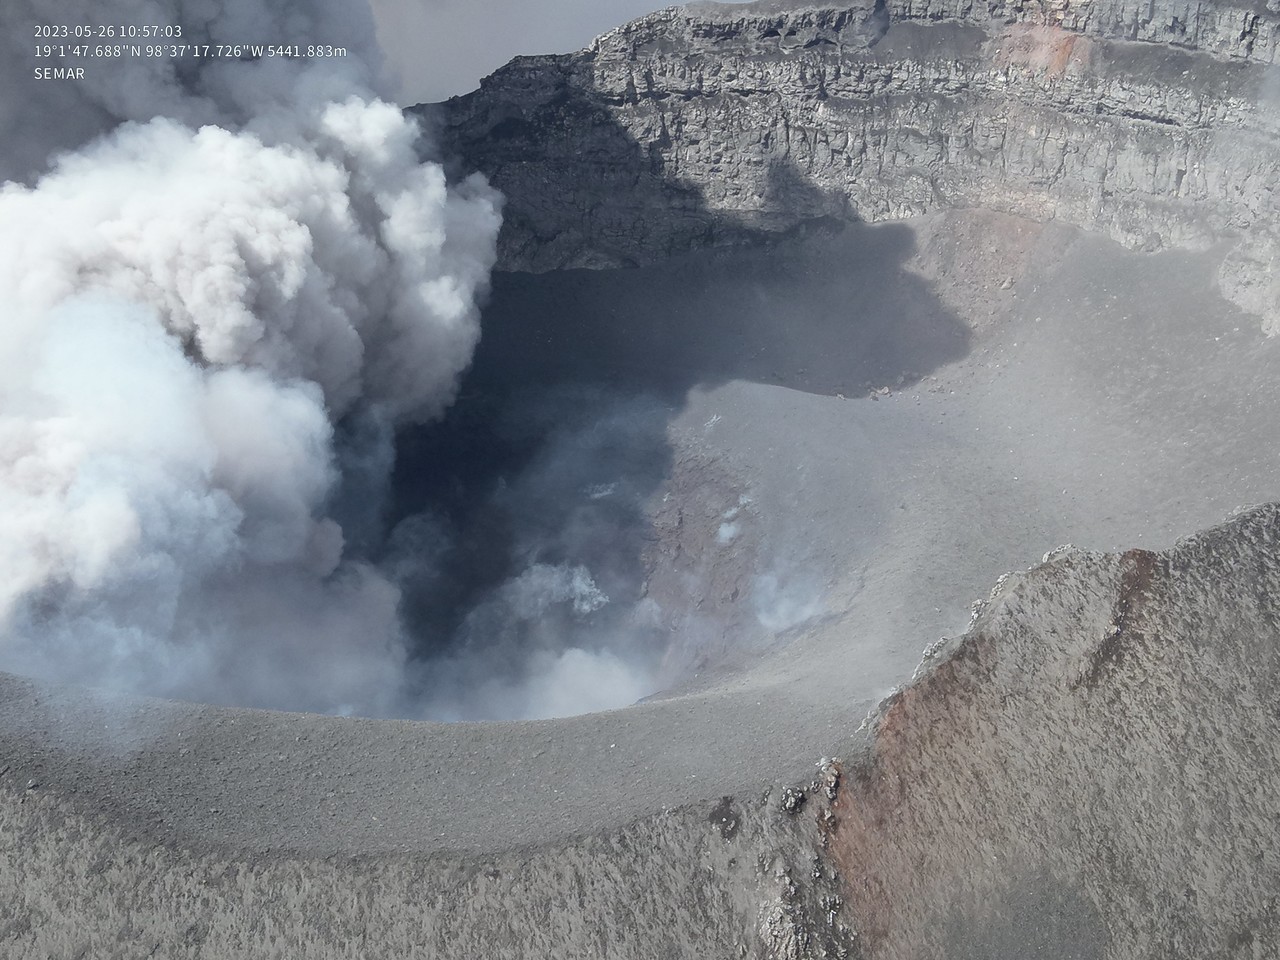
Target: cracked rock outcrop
{"x": 1154, "y": 123}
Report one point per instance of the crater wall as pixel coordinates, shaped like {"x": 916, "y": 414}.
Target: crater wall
{"x": 1090, "y": 772}
{"x": 1087, "y": 773}
{"x": 708, "y": 125}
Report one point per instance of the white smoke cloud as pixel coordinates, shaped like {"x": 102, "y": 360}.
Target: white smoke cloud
{"x": 567, "y": 683}
{"x": 192, "y": 303}
{"x": 532, "y": 649}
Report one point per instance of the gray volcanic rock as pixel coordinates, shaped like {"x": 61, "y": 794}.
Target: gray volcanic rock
{"x": 1087, "y": 773}
{"x": 712, "y": 124}
{"x": 1090, "y": 772}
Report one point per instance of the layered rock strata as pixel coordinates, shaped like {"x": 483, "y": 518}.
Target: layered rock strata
{"x": 711, "y": 124}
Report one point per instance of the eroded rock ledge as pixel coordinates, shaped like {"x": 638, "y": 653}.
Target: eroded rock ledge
{"x": 1155, "y": 123}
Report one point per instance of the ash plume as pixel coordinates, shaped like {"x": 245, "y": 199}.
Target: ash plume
{"x": 210, "y": 270}
{"x": 529, "y": 601}
{"x": 40, "y": 119}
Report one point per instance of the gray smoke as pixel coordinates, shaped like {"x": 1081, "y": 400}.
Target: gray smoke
{"x": 234, "y": 261}
{"x": 40, "y": 117}
{"x": 552, "y": 619}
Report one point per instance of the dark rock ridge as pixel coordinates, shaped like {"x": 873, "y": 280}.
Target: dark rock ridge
{"x": 1155, "y": 123}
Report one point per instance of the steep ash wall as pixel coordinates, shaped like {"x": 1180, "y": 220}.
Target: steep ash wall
{"x": 1154, "y": 123}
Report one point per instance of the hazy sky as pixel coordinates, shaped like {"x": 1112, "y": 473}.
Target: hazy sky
{"x": 443, "y": 47}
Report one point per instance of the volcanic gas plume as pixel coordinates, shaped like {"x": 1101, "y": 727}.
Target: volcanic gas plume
{"x": 238, "y": 269}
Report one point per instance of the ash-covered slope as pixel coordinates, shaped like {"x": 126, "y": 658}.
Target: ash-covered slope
{"x": 1088, "y": 773}
{"x": 712, "y": 124}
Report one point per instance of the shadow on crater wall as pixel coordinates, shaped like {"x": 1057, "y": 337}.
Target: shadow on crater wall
{"x": 836, "y": 313}
{"x": 574, "y": 207}
{"x": 559, "y": 437}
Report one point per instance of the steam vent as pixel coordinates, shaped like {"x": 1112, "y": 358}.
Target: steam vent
{"x": 855, "y": 529}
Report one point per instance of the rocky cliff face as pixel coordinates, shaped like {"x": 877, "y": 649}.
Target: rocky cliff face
{"x": 1155, "y": 123}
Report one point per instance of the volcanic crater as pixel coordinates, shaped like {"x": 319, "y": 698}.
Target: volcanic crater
{"x": 811, "y": 324}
